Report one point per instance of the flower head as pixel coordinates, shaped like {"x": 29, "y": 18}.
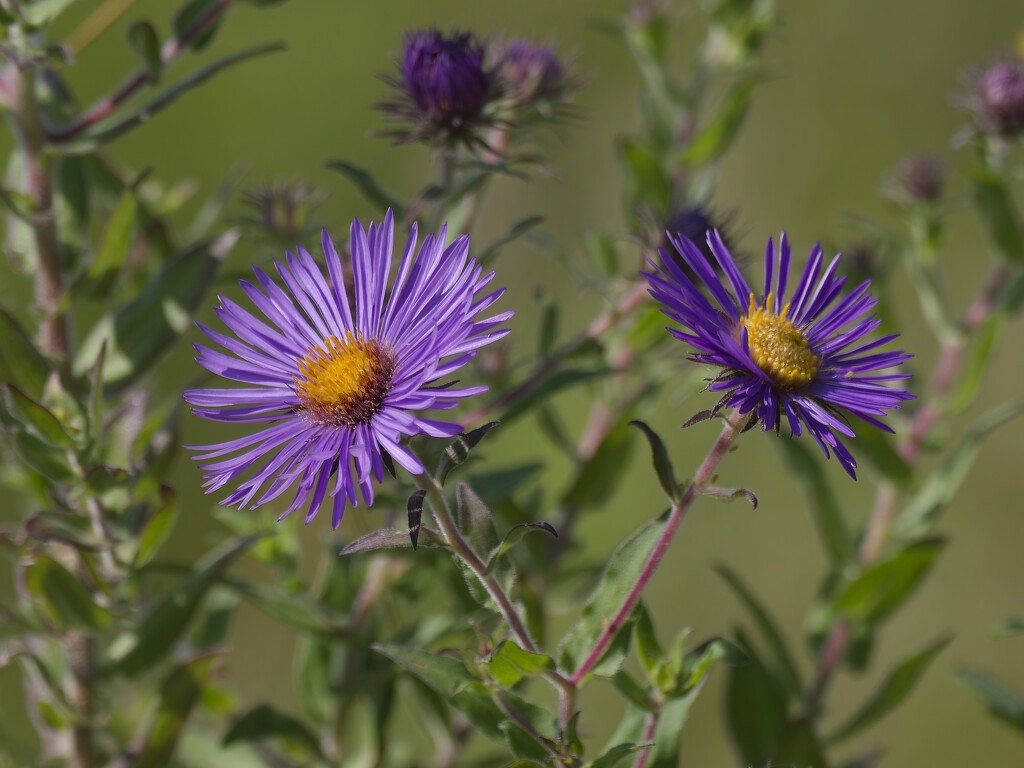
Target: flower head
{"x": 281, "y": 209}
{"x": 532, "y": 72}
{"x": 999, "y": 95}
{"x": 443, "y": 83}
{"x": 337, "y": 387}
{"x": 804, "y": 358}
{"x": 920, "y": 178}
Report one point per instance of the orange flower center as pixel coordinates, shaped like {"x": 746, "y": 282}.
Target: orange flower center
{"x": 778, "y": 347}
{"x": 344, "y": 382}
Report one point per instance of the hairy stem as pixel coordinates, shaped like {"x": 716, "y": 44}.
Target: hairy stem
{"x": 733, "y": 426}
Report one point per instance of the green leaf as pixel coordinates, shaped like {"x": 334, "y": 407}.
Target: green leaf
{"x": 994, "y": 203}
{"x": 509, "y": 663}
{"x": 145, "y": 44}
{"x": 799, "y": 746}
{"x": 597, "y": 477}
{"x": 522, "y": 744}
{"x": 179, "y": 694}
{"x": 756, "y": 709}
{"x": 633, "y": 692}
{"x": 662, "y": 464}
{"x": 109, "y": 130}
{"x": 940, "y": 487}
{"x": 34, "y": 417}
{"x": 883, "y": 586}
{"x": 42, "y": 12}
{"x": 648, "y": 177}
{"x": 616, "y": 755}
{"x": 137, "y": 333}
{"x": 296, "y": 611}
{"x": 158, "y": 527}
{"x": 1010, "y": 628}
{"x": 458, "y": 450}
{"x": 194, "y": 15}
{"x": 517, "y": 230}
{"x": 475, "y": 520}
{"x": 452, "y": 680}
{"x": 368, "y": 186}
{"x": 895, "y": 689}
{"x": 665, "y": 751}
{"x": 783, "y": 666}
{"x": 20, "y": 362}
{"x": 825, "y": 510}
{"x": 61, "y": 597}
{"x": 619, "y": 577}
{"x": 159, "y": 628}
{"x": 113, "y": 246}
{"x": 266, "y": 722}
{"x": 647, "y": 646}
{"x": 392, "y": 538}
{"x": 512, "y": 537}
{"x": 698, "y": 662}
{"x": 546, "y": 386}
{"x": 1005, "y": 704}
{"x": 719, "y": 132}
{"x": 982, "y": 345}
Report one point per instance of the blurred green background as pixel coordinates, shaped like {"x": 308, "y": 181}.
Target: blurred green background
{"x": 857, "y": 85}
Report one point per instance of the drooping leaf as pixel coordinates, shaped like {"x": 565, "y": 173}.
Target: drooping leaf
{"x": 756, "y": 709}
{"x": 662, "y": 464}
{"x": 266, "y": 722}
{"x": 783, "y": 664}
{"x": 392, "y": 538}
{"x": 824, "y": 507}
{"x": 137, "y": 333}
{"x": 61, "y": 597}
{"x": 512, "y": 537}
{"x": 1002, "y": 702}
{"x": 994, "y": 203}
{"x": 619, "y": 577}
{"x": 179, "y": 694}
{"x": 938, "y": 489}
{"x": 160, "y": 627}
{"x": 883, "y": 586}
{"x": 368, "y": 186}
{"x": 33, "y": 417}
{"x": 895, "y": 689}
{"x": 458, "y": 450}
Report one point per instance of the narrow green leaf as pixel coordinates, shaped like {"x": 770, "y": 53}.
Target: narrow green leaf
{"x": 879, "y": 449}
{"x": 458, "y": 450}
{"x": 475, "y": 520}
{"x": 619, "y": 577}
{"x": 159, "y": 628}
{"x": 34, "y": 417}
{"x": 61, "y": 597}
{"x": 719, "y": 132}
{"x": 522, "y": 744}
{"x": 194, "y": 15}
{"x": 597, "y": 477}
{"x": 939, "y": 488}
{"x": 547, "y": 386}
{"x": 994, "y": 203}
{"x": 616, "y": 756}
{"x": 137, "y": 333}
{"x": 158, "y": 527}
{"x": 662, "y": 464}
{"x": 647, "y": 175}
{"x": 20, "y": 362}
{"x": 517, "y": 230}
{"x": 179, "y": 695}
{"x": 784, "y": 666}
{"x": 633, "y": 691}
{"x": 882, "y": 587}
{"x": 647, "y": 646}
{"x": 509, "y": 663}
{"x": 665, "y": 751}
{"x": 895, "y": 689}
{"x": 1002, "y": 702}
{"x": 452, "y": 680}
{"x": 698, "y": 662}
{"x": 113, "y": 246}
{"x": 265, "y": 722}
{"x": 145, "y": 44}
{"x": 800, "y": 746}
{"x": 825, "y": 509}
{"x": 1010, "y": 628}
{"x": 548, "y": 327}
{"x": 983, "y": 344}
{"x": 392, "y": 538}
{"x": 512, "y": 537}
{"x": 756, "y": 709}
{"x": 368, "y": 186}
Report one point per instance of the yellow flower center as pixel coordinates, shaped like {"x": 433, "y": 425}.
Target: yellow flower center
{"x": 345, "y": 383}
{"x": 778, "y": 347}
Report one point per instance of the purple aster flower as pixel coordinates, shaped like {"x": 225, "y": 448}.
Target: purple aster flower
{"x": 444, "y": 77}
{"x": 337, "y": 387}
{"x": 532, "y": 71}
{"x": 805, "y": 358}
{"x": 1000, "y": 97}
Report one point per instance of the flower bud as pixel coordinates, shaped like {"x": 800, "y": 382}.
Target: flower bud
{"x": 921, "y": 178}
{"x": 531, "y": 72}
{"x": 444, "y": 76}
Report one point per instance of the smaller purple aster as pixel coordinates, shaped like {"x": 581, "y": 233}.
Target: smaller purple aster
{"x": 443, "y": 80}
{"x": 1000, "y": 97}
{"x": 336, "y": 384}
{"x": 531, "y": 72}
{"x": 805, "y": 358}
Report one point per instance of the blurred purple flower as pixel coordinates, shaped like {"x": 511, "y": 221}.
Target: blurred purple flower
{"x": 531, "y": 71}
{"x": 339, "y": 386}
{"x": 780, "y": 358}
{"x": 1000, "y": 97}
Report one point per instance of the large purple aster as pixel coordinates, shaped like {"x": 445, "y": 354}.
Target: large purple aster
{"x": 339, "y": 387}
{"x": 805, "y": 358}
